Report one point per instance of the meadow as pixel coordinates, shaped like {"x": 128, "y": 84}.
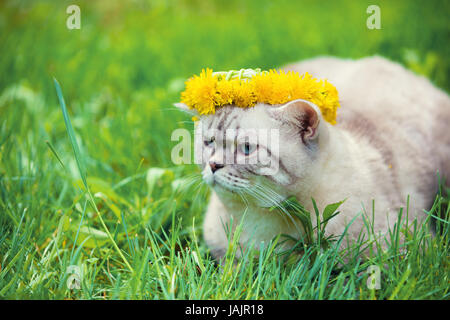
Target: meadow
{"x": 88, "y": 188}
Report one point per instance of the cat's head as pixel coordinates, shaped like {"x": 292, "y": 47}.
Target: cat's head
{"x": 263, "y": 149}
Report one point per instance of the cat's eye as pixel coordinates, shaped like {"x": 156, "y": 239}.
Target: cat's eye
{"x": 209, "y": 142}
{"x": 247, "y": 148}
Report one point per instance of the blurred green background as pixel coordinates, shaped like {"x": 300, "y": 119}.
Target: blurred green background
{"x": 120, "y": 74}
{"x": 124, "y": 68}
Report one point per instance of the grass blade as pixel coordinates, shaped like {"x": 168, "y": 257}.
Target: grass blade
{"x": 81, "y": 169}
{"x": 71, "y": 133}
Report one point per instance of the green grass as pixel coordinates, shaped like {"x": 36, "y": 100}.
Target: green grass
{"x": 119, "y": 75}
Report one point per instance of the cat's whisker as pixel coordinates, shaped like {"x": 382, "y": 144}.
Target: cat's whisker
{"x": 185, "y": 121}
{"x": 199, "y": 189}
{"x": 267, "y": 189}
{"x": 243, "y": 184}
{"x": 189, "y": 180}
{"x": 263, "y": 192}
{"x": 193, "y": 182}
{"x": 244, "y": 199}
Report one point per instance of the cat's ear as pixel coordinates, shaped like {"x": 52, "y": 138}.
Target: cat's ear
{"x": 302, "y": 114}
{"x": 183, "y": 107}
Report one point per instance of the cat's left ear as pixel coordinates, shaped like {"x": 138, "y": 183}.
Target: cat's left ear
{"x": 183, "y": 107}
{"x": 301, "y": 114}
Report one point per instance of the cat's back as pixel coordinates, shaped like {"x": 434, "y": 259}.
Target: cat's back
{"x": 374, "y": 85}
{"x": 384, "y": 102}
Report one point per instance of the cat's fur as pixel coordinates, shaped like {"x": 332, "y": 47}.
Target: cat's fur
{"x": 391, "y": 138}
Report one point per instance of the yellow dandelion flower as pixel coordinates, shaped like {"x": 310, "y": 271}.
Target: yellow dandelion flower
{"x": 247, "y": 87}
{"x": 200, "y": 93}
{"x": 280, "y": 87}
{"x": 244, "y": 95}
{"x": 226, "y": 92}
{"x": 263, "y": 87}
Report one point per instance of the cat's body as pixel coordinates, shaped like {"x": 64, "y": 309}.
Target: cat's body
{"x": 390, "y": 140}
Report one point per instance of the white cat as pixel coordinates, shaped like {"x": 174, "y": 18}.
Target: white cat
{"x": 391, "y": 138}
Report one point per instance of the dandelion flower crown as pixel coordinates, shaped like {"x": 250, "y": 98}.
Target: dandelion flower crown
{"x": 246, "y": 87}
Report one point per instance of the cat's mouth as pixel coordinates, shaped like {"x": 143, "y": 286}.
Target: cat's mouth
{"x": 262, "y": 197}
{"x": 253, "y": 190}
{"x": 229, "y": 183}
{"x": 226, "y": 182}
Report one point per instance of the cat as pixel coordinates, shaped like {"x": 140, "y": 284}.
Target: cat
{"x": 390, "y": 141}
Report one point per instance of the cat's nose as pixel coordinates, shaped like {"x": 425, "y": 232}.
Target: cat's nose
{"x": 215, "y": 166}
